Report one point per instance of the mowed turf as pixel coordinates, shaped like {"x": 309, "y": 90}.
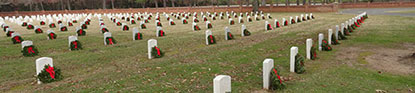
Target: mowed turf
{"x": 190, "y": 66}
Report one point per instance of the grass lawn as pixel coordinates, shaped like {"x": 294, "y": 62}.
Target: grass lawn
{"x": 403, "y": 12}
{"x": 190, "y": 66}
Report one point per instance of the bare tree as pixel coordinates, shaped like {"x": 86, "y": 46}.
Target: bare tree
{"x": 112, "y": 3}
{"x": 104, "y": 4}
{"x": 263, "y": 2}
{"x": 69, "y": 4}
{"x": 156, "y": 3}
{"x": 172, "y": 3}
{"x": 255, "y": 5}
{"x": 164, "y": 3}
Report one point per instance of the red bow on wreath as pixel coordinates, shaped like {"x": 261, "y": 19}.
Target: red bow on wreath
{"x": 17, "y": 39}
{"x": 75, "y": 44}
{"x": 211, "y": 38}
{"x": 51, "y": 36}
{"x": 276, "y": 73}
{"x": 269, "y": 27}
{"x": 158, "y": 51}
{"x": 278, "y": 24}
{"x": 138, "y": 36}
{"x": 80, "y": 31}
{"x": 230, "y": 35}
{"x": 110, "y": 41}
{"x": 161, "y": 33}
{"x": 51, "y": 72}
{"x": 30, "y": 50}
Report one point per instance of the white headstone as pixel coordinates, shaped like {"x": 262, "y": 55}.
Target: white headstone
{"x": 207, "y": 24}
{"x": 320, "y": 41}
{"x": 266, "y": 26}
{"x": 226, "y": 32}
{"x": 150, "y": 44}
{"x": 267, "y": 65}
{"x": 135, "y": 31}
{"x": 40, "y": 65}
{"x": 330, "y": 34}
{"x": 71, "y": 39}
{"x": 222, "y": 84}
{"x": 106, "y": 34}
{"x": 26, "y": 43}
{"x": 15, "y": 34}
{"x": 309, "y": 44}
{"x": 290, "y": 21}
{"x": 338, "y": 29}
{"x": 242, "y": 30}
{"x": 293, "y": 53}
{"x": 208, "y": 33}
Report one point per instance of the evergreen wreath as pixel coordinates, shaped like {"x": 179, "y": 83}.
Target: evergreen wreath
{"x": 103, "y": 30}
{"x": 342, "y": 37}
{"x": 350, "y": 29}
{"x": 59, "y": 21}
{"x": 38, "y": 30}
{"x": 138, "y": 36}
{"x": 205, "y": 19}
{"x": 110, "y": 41}
{"x": 75, "y": 45}
{"x": 246, "y": 32}
{"x": 84, "y": 26}
{"x": 5, "y": 27}
{"x": 161, "y": 33}
{"x": 313, "y": 53}
{"x": 334, "y": 41}
{"x": 156, "y": 52}
{"x": 211, "y": 39}
{"x": 277, "y": 25}
{"x": 286, "y": 23}
{"x": 52, "y": 36}
{"x": 195, "y": 20}
{"x": 24, "y": 24}
{"x": 249, "y": 20}
{"x": 196, "y": 28}
{"x": 81, "y": 32}
{"x": 209, "y": 26}
{"x": 87, "y": 22}
{"x": 133, "y": 22}
{"x": 184, "y": 21}
{"x": 276, "y": 83}
{"x": 29, "y": 51}
{"x": 325, "y": 45}
{"x": 70, "y": 24}
{"x": 263, "y": 17}
{"x": 357, "y": 24}
{"x": 50, "y": 74}
{"x": 52, "y": 25}
{"x": 64, "y": 28}
{"x": 118, "y": 23}
{"x": 213, "y": 18}
{"x": 74, "y": 21}
{"x": 125, "y": 28}
{"x": 241, "y": 21}
{"x": 9, "y": 33}
{"x": 257, "y": 19}
{"x": 292, "y": 21}
{"x": 312, "y": 17}
{"x": 269, "y": 17}
{"x": 143, "y": 26}
{"x": 172, "y": 23}
{"x": 159, "y": 24}
{"x": 232, "y": 22}
{"x": 17, "y": 39}
{"x": 30, "y": 27}
{"x": 346, "y": 33}
{"x": 230, "y": 36}
{"x": 42, "y": 23}
{"x": 299, "y": 64}
{"x": 298, "y": 20}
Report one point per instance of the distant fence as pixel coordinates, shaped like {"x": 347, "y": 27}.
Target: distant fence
{"x": 303, "y": 8}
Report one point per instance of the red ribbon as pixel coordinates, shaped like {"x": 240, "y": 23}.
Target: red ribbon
{"x": 161, "y": 33}
{"x": 269, "y": 27}
{"x": 356, "y": 24}
{"x": 51, "y": 72}
{"x": 138, "y": 36}
{"x": 17, "y": 39}
{"x": 125, "y": 27}
{"x": 51, "y": 36}
{"x": 38, "y": 30}
{"x": 211, "y": 38}
{"x": 80, "y": 32}
{"x": 158, "y": 51}
{"x": 110, "y": 41}
{"x": 230, "y": 35}
{"x": 158, "y": 23}
{"x": 197, "y": 27}
{"x": 276, "y": 73}
{"x": 278, "y": 24}
{"x": 30, "y": 50}
{"x": 75, "y": 44}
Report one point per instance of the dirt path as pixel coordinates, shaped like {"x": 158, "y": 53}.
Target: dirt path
{"x": 382, "y": 11}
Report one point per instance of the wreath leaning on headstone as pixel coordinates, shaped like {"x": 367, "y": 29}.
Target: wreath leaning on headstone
{"x": 246, "y": 32}
{"x": 9, "y": 33}
{"x": 334, "y": 41}
{"x": 342, "y": 37}
{"x": 38, "y": 30}
{"x": 76, "y": 45}
{"x": 230, "y": 36}
{"x": 276, "y": 82}
{"x": 156, "y": 52}
{"x": 81, "y": 32}
{"x": 52, "y": 25}
{"x": 29, "y": 51}
{"x": 299, "y": 64}
{"x": 143, "y": 26}
{"x": 50, "y": 74}
{"x": 110, "y": 41}
{"x": 325, "y": 45}
{"x": 161, "y": 33}
{"x": 211, "y": 39}
{"x": 17, "y": 39}
{"x": 103, "y": 30}
{"x": 313, "y": 53}
{"x": 138, "y": 36}
{"x": 52, "y": 36}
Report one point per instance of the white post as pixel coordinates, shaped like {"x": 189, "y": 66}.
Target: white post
{"x": 226, "y": 32}
{"x": 309, "y": 44}
{"x": 320, "y": 41}
{"x": 242, "y": 30}
{"x": 40, "y": 65}
{"x": 329, "y": 36}
{"x": 106, "y": 34}
{"x": 71, "y": 39}
{"x": 222, "y": 84}
{"x": 293, "y": 53}
{"x": 150, "y": 44}
{"x": 267, "y": 65}
{"x": 208, "y": 32}
{"x": 135, "y": 31}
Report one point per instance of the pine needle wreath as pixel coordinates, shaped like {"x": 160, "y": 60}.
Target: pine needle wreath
{"x": 350, "y": 29}
{"x": 232, "y": 22}
{"x": 29, "y": 51}
{"x": 9, "y": 33}
{"x": 172, "y": 23}
{"x": 313, "y": 53}
{"x": 30, "y": 27}
{"x": 76, "y": 45}
{"x": 143, "y": 26}
{"x": 50, "y": 74}
{"x": 52, "y": 36}
{"x": 269, "y": 27}
{"x": 269, "y": 17}
{"x": 84, "y": 26}
{"x": 125, "y": 28}
{"x": 277, "y": 25}
{"x": 325, "y": 45}
{"x": 159, "y": 24}
{"x": 70, "y": 24}
{"x": 38, "y": 30}
{"x": 210, "y": 26}
{"x": 42, "y": 23}
{"x": 184, "y": 21}
{"x": 74, "y": 21}
{"x": 286, "y": 23}
{"x": 103, "y": 30}
{"x": 133, "y": 22}
{"x": 230, "y": 36}
{"x": 346, "y": 33}
{"x": 249, "y": 20}
{"x": 110, "y": 41}
{"x": 312, "y": 17}
{"x": 246, "y": 32}
{"x": 5, "y": 27}
{"x": 52, "y": 25}
{"x": 17, "y": 39}
{"x": 24, "y": 24}
{"x": 299, "y": 64}
{"x": 138, "y": 36}
{"x": 156, "y": 52}
{"x": 334, "y": 41}
{"x": 342, "y": 37}
{"x": 292, "y": 21}
{"x": 81, "y": 32}
{"x": 196, "y": 28}
{"x": 64, "y": 28}
{"x": 211, "y": 39}
{"x": 276, "y": 83}
{"x": 161, "y": 33}
{"x": 196, "y": 21}
{"x": 241, "y": 21}
{"x": 59, "y": 22}
{"x": 298, "y": 20}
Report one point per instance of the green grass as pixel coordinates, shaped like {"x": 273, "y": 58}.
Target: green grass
{"x": 190, "y": 66}
{"x": 403, "y": 12}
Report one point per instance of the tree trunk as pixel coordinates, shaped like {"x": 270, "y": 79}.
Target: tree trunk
{"x": 287, "y": 3}
{"x": 30, "y": 5}
{"x": 61, "y": 3}
{"x": 229, "y": 3}
{"x": 255, "y": 5}
{"x": 69, "y": 4}
{"x": 156, "y": 3}
{"x": 263, "y": 3}
{"x": 172, "y": 3}
{"x": 164, "y": 3}
{"x": 298, "y": 2}
{"x": 104, "y": 5}
{"x": 112, "y": 4}
{"x": 41, "y": 5}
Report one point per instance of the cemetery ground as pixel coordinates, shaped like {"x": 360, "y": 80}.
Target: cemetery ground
{"x": 377, "y": 56}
